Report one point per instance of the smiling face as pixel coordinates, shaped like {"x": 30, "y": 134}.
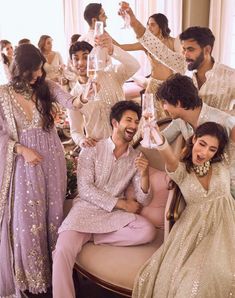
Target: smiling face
{"x": 79, "y": 61}
{"x": 204, "y": 149}
{"x": 127, "y": 127}
{"x": 193, "y": 53}
{"x": 8, "y": 50}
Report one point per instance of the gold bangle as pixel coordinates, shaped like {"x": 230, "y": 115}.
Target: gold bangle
{"x": 14, "y": 148}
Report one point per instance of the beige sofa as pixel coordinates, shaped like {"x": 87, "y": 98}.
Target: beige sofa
{"x": 115, "y": 268}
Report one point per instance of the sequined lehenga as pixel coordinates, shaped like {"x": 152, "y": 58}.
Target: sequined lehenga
{"x": 197, "y": 259}
{"x": 31, "y": 200}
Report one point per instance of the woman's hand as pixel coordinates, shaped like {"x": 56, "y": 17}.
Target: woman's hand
{"x": 31, "y": 156}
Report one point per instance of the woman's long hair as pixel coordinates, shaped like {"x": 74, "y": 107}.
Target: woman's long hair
{"x": 27, "y": 59}
{"x": 162, "y": 22}
{"x": 208, "y": 128}
{"x": 42, "y": 42}
{"x": 3, "y": 44}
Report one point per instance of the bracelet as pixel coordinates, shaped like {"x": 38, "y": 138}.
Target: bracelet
{"x": 14, "y": 148}
{"x": 164, "y": 144}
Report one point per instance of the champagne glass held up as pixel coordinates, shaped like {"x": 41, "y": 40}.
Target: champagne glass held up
{"x": 91, "y": 73}
{"x": 124, "y": 6}
{"x": 148, "y": 106}
{"x": 101, "y": 53}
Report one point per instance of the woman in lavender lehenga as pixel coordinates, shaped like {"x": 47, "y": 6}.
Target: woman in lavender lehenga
{"x": 32, "y": 175}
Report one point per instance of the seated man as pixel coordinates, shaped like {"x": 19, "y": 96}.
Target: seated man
{"x": 93, "y": 116}
{"x": 181, "y": 100}
{"x": 101, "y": 213}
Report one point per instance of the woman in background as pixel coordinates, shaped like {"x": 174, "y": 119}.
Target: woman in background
{"x": 5, "y": 60}
{"x": 54, "y": 64}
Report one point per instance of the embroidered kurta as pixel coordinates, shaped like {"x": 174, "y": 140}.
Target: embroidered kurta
{"x": 197, "y": 259}
{"x": 102, "y": 179}
{"x": 31, "y": 200}
{"x": 219, "y": 88}
{"x": 94, "y": 115}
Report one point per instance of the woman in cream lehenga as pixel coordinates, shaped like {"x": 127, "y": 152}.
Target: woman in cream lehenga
{"x": 197, "y": 259}
{"x": 158, "y": 25}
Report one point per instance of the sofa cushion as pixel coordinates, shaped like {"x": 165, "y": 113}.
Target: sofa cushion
{"x": 155, "y": 211}
{"x": 114, "y": 264}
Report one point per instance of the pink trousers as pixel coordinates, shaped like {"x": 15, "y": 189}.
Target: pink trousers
{"x": 70, "y": 243}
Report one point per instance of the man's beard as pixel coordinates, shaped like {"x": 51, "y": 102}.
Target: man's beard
{"x": 194, "y": 64}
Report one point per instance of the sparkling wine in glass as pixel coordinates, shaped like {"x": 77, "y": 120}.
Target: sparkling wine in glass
{"x": 91, "y": 73}
{"x": 123, "y": 7}
{"x": 99, "y": 28}
{"x": 148, "y": 106}
{"x": 101, "y": 53}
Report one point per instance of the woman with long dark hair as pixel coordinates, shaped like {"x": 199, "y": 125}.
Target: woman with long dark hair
{"x": 158, "y": 26}
{"x": 32, "y": 174}
{"x": 197, "y": 259}
{"x": 6, "y": 58}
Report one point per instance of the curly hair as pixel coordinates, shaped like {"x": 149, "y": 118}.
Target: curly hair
{"x": 122, "y": 106}
{"x": 179, "y": 88}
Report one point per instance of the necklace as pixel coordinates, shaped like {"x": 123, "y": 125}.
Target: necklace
{"x": 202, "y": 170}
{"x": 24, "y": 89}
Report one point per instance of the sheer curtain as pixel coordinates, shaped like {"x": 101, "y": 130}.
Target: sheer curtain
{"x": 222, "y": 24}
{"x": 75, "y": 23}
{"x": 31, "y": 19}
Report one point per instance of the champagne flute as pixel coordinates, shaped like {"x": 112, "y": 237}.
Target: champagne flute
{"x": 91, "y": 73}
{"x": 101, "y": 53}
{"x": 148, "y": 107}
{"x": 124, "y": 6}
{"x": 99, "y": 28}
{"x": 151, "y": 138}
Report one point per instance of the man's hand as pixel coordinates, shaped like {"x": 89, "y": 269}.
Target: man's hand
{"x": 105, "y": 41}
{"x": 142, "y": 164}
{"x": 88, "y": 142}
{"x": 129, "y": 205}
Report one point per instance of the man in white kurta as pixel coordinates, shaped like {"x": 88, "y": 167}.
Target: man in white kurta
{"x": 215, "y": 81}
{"x": 93, "y": 116}
{"x": 187, "y": 110}
{"x": 101, "y": 212}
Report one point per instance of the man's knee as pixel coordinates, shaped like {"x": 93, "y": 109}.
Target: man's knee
{"x": 64, "y": 248}
{"x": 148, "y": 231}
